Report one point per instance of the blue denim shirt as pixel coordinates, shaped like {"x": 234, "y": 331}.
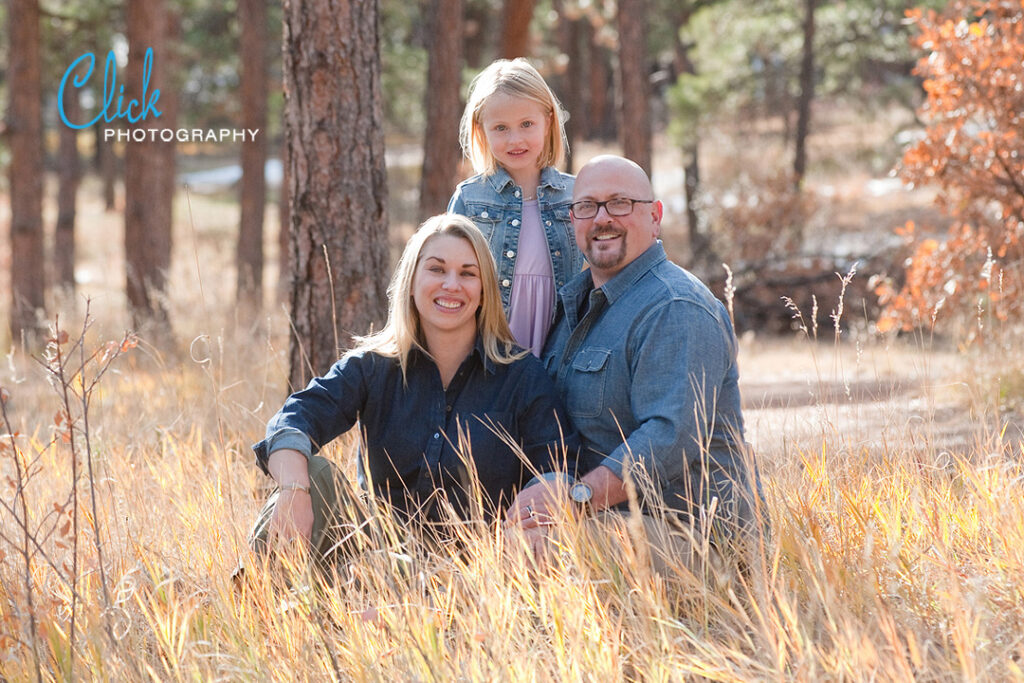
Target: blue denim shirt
{"x": 495, "y": 203}
{"x": 651, "y": 356}
{"x": 420, "y": 439}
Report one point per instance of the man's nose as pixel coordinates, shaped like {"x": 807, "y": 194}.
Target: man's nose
{"x": 602, "y": 208}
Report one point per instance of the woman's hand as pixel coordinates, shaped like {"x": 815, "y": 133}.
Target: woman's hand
{"x": 536, "y": 505}
{"x": 292, "y": 518}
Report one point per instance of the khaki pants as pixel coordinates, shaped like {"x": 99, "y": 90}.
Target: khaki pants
{"x": 341, "y": 526}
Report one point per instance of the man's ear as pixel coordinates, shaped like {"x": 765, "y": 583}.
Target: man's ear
{"x": 657, "y": 211}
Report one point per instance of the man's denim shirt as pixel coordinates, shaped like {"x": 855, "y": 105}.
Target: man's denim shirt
{"x": 651, "y": 355}
{"x": 420, "y": 438}
{"x": 495, "y": 203}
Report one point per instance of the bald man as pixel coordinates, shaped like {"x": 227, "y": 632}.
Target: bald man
{"x": 645, "y": 359}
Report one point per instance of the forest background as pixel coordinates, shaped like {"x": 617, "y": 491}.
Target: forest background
{"x": 845, "y": 174}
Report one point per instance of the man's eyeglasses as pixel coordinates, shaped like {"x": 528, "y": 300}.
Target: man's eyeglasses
{"x": 620, "y": 206}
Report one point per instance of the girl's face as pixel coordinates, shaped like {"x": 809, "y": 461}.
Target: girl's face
{"x": 446, "y": 286}
{"x": 516, "y": 129}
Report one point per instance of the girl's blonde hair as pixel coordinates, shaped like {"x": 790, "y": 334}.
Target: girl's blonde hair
{"x": 403, "y": 332}
{"x": 515, "y": 78}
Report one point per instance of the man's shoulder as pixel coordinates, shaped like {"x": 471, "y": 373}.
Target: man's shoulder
{"x": 669, "y": 283}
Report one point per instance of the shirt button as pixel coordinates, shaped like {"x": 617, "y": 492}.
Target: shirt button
{"x": 558, "y": 252}
{"x": 515, "y": 221}
{"x": 448, "y": 409}
{"x": 548, "y": 223}
{"x": 437, "y": 435}
{"x": 505, "y": 283}
{"x": 483, "y": 214}
{"x": 510, "y": 253}
{"x": 517, "y": 193}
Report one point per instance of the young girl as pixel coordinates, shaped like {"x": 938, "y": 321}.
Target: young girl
{"x": 513, "y": 133}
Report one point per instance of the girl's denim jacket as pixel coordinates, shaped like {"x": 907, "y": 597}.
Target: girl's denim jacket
{"x": 495, "y": 203}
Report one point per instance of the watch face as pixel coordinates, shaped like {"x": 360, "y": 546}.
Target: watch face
{"x": 581, "y": 492}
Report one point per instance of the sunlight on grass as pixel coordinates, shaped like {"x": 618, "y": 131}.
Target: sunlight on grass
{"x": 895, "y": 503}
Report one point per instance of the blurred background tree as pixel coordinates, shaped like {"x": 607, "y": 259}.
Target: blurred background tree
{"x": 973, "y": 71}
{"x": 762, "y": 110}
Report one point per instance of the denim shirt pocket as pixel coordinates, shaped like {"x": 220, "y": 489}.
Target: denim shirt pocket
{"x": 586, "y": 397}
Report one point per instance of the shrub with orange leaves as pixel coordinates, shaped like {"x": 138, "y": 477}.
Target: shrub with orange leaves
{"x": 973, "y": 73}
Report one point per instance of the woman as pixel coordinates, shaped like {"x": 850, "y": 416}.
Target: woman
{"x": 439, "y": 392}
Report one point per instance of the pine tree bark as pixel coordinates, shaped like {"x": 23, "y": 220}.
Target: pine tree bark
{"x": 25, "y": 138}
{"x": 443, "y": 106}
{"x": 284, "y": 229}
{"x": 569, "y": 35}
{"x": 149, "y": 169}
{"x": 252, "y": 16}
{"x": 68, "y": 175}
{"x": 337, "y": 180}
{"x": 515, "y": 28}
{"x": 803, "y": 120}
{"x": 634, "y": 84}
{"x": 602, "y": 122}
{"x": 702, "y": 255}
{"x": 106, "y": 166}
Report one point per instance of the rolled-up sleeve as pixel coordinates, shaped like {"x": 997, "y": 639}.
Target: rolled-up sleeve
{"x": 327, "y": 407}
{"x": 678, "y": 361}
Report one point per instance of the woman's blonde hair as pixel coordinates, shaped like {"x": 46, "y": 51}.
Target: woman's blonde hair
{"x": 515, "y": 78}
{"x": 403, "y": 332}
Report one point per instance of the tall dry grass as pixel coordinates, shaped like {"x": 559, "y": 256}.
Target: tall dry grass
{"x": 892, "y": 555}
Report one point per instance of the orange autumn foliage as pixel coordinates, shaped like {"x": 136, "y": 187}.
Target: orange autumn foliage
{"x": 973, "y": 71}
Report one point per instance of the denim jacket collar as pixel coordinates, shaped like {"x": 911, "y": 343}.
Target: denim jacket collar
{"x": 549, "y": 178}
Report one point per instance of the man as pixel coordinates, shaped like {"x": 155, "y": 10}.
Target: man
{"x": 645, "y": 359}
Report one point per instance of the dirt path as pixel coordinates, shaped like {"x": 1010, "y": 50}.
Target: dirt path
{"x": 799, "y": 395}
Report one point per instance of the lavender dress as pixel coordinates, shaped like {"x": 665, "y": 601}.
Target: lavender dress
{"x": 533, "y": 284}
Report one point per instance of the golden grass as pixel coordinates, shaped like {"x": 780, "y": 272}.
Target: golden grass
{"x": 896, "y": 552}
{"x": 884, "y": 563}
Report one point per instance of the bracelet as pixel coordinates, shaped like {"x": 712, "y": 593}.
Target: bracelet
{"x": 295, "y": 486}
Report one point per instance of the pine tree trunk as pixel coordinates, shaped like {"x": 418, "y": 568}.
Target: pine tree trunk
{"x": 601, "y": 123}
{"x": 572, "y": 101}
{"x": 515, "y": 28}
{"x": 702, "y": 256}
{"x": 252, "y": 16}
{"x": 284, "y": 228}
{"x": 803, "y": 121}
{"x": 443, "y": 106}
{"x": 25, "y": 138}
{"x": 149, "y": 169}
{"x": 338, "y": 185}
{"x": 106, "y": 166}
{"x": 634, "y": 84}
{"x": 68, "y": 175}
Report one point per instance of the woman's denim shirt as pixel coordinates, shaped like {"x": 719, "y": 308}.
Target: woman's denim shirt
{"x": 495, "y": 203}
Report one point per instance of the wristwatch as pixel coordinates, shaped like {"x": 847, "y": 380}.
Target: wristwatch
{"x": 581, "y": 494}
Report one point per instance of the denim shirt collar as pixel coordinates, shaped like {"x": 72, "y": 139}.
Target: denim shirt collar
{"x": 627, "y": 277}
{"x": 478, "y": 350}
{"x": 581, "y": 285}
{"x": 549, "y": 178}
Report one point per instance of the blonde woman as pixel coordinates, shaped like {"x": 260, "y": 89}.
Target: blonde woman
{"x": 432, "y": 391}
